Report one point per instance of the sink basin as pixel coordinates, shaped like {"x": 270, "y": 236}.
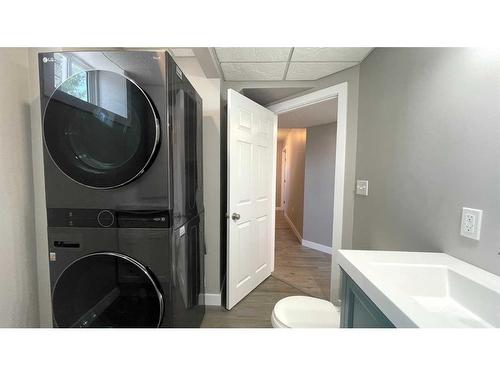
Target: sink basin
{"x": 421, "y": 289}
{"x": 440, "y": 290}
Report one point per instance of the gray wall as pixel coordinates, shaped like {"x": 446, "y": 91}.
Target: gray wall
{"x": 18, "y": 276}
{"x": 319, "y": 184}
{"x": 295, "y": 145}
{"x": 429, "y": 143}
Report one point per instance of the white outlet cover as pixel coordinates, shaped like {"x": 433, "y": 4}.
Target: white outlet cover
{"x": 362, "y": 187}
{"x": 470, "y": 225}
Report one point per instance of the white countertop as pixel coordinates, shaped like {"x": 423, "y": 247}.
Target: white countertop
{"x": 423, "y": 289}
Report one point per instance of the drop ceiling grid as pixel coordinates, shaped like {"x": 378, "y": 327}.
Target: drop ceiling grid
{"x": 265, "y": 64}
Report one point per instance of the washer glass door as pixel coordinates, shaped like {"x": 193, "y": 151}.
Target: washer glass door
{"x": 100, "y": 129}
{"x": 107, "y": 290}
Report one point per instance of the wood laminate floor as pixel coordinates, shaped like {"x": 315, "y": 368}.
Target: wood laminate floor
{"x": 254, "y": 311}
{"x": 298, "y": 270}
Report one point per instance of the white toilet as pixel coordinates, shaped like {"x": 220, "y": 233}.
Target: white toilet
{"x": 305, "y": 312}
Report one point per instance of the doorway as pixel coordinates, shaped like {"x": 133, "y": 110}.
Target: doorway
{"x": 340, "y": 92}
{"x": 304, "y": 219}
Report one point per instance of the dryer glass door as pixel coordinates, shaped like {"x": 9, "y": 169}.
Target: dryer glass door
{"x": 100, "y": 129}
{"x": 107, "y": 290}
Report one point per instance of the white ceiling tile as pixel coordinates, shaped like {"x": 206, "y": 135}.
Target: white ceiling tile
{"x": 241, "y": 54}
{"x": 330, "y": 54}
{"x": 314, "y": 70}
{"x": 253, "y": 71}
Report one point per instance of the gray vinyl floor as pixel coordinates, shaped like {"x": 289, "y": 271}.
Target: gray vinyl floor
{"x": 298, "y": 270}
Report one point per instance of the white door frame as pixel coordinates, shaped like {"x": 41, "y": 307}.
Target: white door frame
{"x": 338, "y": 91}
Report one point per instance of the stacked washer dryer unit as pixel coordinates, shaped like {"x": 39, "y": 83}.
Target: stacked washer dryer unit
{"x": 124, "y": 190}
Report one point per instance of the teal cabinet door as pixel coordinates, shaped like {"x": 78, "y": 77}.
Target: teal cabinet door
{"x": 359, "y": 311}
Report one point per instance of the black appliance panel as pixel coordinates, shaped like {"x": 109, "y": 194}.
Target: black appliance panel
{"x": 187, "y": 147}
{"x": 188, "y": 279}
{"x": 104, "y": 218}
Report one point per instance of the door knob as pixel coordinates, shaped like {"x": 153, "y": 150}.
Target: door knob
{"x": 235, "y": 216}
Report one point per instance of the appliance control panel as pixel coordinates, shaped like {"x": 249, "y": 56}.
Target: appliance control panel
{"x": 104, "y": 218}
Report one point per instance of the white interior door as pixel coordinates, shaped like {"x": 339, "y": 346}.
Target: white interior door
{"x": 251, "y": 173}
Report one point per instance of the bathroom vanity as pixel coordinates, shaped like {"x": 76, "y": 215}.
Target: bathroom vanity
{"x": 358, "y": 310}
{"x": 383, "y": 289}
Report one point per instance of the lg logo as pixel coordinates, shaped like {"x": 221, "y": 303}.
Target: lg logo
{"x": 48, "y": 59}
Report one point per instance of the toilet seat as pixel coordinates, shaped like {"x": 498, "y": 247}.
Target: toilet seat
{"x": 305, "y": 312}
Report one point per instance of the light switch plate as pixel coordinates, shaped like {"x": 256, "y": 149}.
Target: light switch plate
{"x": 362, "y": 187}
{"x": 470, "y": 225}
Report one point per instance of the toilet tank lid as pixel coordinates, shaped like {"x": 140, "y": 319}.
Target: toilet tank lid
{"x": 306, "y": 312}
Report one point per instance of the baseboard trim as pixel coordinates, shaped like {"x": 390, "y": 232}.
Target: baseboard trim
{"x": 294, "y": 230}
{"x": 317, "y": 246}
{"x": 212, "y": 299}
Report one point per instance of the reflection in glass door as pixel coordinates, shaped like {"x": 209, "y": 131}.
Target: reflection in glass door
{"x": 107, "y": 290}
{"x": 100, "y": 129}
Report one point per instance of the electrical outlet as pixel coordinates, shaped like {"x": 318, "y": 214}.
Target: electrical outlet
{"x": 470, "y": 226}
